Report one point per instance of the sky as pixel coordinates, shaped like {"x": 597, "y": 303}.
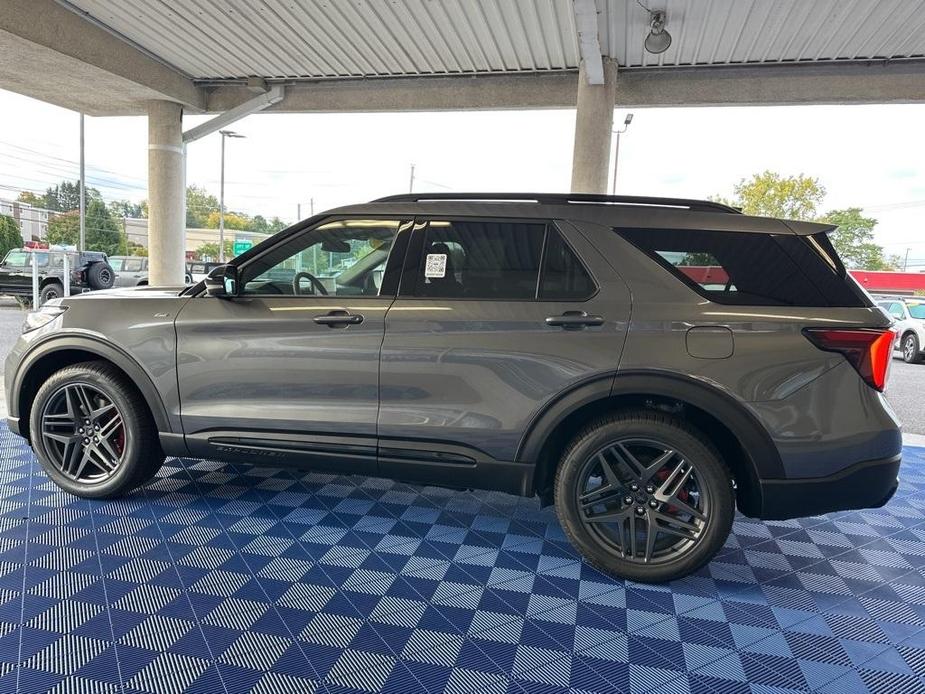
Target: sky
{"x": 865, "y": 156}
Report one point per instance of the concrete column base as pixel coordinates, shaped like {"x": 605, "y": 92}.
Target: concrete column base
{"x": 593, "y": 126}
{"x": 166, "y": 194}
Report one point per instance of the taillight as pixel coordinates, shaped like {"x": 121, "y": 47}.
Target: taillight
{"x": 869, "y": 350}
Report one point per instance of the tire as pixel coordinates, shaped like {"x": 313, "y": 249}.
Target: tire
{"x": 100, "y": 275}
{"x": 910, "y": 349}
{"x": 101, "y": 388}
{"x": 704, "y": 486}
{"x": 52, "y": 290}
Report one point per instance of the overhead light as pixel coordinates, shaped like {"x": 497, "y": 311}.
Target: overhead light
{"x": 629, "y": 119}
{"x": 658, "y": 39}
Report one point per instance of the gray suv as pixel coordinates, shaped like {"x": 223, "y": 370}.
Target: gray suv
{"x": 647, "y": 365}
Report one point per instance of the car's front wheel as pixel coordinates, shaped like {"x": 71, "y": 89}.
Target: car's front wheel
{"x": 92, "y": 432}
{"x": 644, "y": 496}
{"x": 910, "y": 348}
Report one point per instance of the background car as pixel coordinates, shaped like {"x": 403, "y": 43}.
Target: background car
{"x": 88, "y": 270}
{"x": 197, "y": 270}
{"x": 909, "y": 314}
{"x": 131, "y": 270}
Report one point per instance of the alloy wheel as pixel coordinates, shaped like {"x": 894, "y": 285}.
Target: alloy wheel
{"x": 643, "y": 500}
{"x": 84, "y": 433}
{"x": 909, "y": 348}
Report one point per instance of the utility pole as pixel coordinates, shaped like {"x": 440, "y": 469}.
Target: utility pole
{"x": 411, "y": 183}
{"x": 616, "y": 150}
{"x": 311, "y": 206}
{"x": 298, "y": 212}
{"x": 906, "y": 260}
{"x": 221, "y": 201}
{"x": 83, "y": 186}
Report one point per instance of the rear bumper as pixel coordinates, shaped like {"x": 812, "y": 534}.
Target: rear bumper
{"x": 869, "y": 484}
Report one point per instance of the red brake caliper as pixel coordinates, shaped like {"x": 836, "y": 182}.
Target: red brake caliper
{"x": 662, "y": 475}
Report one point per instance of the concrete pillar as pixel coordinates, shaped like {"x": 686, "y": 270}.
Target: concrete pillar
{"x": 166, "y": 194}
{"x": 593, "y": 125}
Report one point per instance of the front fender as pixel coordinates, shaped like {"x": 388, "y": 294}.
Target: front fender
{"x": 98, "y": 347}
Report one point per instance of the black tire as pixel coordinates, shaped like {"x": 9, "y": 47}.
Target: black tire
{"x": 708, "y": 488}
{"x": 100, "y": 275}
{"x": 910, "y": 349}
{"x": 52, "y": 290}
{"x": 140, "y": 454}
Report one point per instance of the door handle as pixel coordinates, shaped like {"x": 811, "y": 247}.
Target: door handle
{"x": 574, "y": 320}
{"x": 338, "y": 319}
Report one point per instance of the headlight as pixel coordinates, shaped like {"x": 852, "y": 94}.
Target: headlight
{"x": 44, "y": 316}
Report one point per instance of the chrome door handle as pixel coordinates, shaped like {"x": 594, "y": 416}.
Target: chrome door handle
{"x": 338, "y": 319}
{"x": 574, "y": 320}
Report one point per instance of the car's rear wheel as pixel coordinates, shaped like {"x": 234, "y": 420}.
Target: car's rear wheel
{"x": 92, "y": 432}
{"x": 644, "y": 496}
{"x": 910, "y": 348}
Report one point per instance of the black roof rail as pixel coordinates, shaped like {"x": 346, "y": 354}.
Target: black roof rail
{"x": 565, "y": 199}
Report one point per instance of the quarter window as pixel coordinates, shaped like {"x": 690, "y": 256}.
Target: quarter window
{"x": 480, "y": 260}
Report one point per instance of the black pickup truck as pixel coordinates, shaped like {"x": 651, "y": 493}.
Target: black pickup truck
{"x": 88, "y": 270}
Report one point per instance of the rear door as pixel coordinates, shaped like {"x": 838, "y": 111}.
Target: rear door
{"x": 494, "y": 319}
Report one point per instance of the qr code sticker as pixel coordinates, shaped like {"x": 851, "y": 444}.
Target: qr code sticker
{"x": 436, "y": 265}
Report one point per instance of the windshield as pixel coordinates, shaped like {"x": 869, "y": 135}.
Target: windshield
{"x": 17, "y": 258}
{"x": 916, "y": 310}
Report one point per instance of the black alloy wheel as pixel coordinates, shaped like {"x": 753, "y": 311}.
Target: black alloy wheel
{"x": 644, "y": 495}
{"x": 84, "y": 433}
{"x": 642, "y": 499}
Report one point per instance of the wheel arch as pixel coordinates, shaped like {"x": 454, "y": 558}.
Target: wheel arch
{"x": 52, "y": 355}
{"x": 742, "y": 440}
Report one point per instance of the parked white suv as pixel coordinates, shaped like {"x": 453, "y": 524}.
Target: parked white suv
{"x": 909, "y": 314}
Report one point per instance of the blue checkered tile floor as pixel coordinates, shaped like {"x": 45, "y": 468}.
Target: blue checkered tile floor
{"x": 218, "y": 578}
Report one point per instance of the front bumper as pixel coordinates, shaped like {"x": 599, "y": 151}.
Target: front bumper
{"x": 13, "y": 424}
{"x": 869, "y": 484}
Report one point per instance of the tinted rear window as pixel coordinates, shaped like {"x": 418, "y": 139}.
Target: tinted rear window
{"x": 751, "y": 269}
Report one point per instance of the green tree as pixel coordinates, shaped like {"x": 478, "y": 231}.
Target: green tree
{"x": 127, "y": 208}
{"x": 103, "y": 233}
{"x": 30, "y": 198}
{"x": 210, "y": 250}
{"x": 10, "y": 234}
{"x": 854, "y": 240}
{"x": 233, "y": 220}
{"x": 199, "y": 205}
{"x": 769, "y": 194}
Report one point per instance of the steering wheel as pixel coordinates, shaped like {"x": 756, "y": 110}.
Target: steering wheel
{"x": 317, "y": 287}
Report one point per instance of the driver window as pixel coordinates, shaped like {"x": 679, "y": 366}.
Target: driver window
{"x": 342, "y": 258}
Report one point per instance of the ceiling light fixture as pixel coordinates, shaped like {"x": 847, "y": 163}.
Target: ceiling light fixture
{"x": 658, "y": 39}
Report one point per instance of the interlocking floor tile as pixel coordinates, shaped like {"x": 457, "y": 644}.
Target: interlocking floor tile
{"x": 225, "y": 578}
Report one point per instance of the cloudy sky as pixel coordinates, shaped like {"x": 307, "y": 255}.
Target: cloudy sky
{"x": 867, "y": 156}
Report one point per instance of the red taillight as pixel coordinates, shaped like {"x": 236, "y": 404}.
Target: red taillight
{"x": 869, "y": 350}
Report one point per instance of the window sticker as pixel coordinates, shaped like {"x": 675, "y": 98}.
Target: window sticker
{"x": 435, "y": 265}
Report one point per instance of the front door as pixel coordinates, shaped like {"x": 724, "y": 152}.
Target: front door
{"x": 494, "y": 320}
{"x": 289, "y": 370}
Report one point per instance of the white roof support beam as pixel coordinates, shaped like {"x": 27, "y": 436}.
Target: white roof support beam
{"x": 589, "y": 44}
{"x": 272, "y": 96}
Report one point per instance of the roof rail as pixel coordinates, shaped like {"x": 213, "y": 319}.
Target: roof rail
{"x": 565, "y": 199}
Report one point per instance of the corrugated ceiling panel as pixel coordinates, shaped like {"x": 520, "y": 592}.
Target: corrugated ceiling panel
{"x": 212, "y": 39}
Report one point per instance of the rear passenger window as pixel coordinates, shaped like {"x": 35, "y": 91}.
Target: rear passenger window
{"x": 480, "y": 260}
{"x": 748, "y": 268}
{"x": 564, "y": 277}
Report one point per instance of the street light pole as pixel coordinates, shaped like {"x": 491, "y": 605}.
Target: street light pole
{"x": 616, "y": 150}
{"x": 82, "y": 239}
{"x": 221, "y": 198}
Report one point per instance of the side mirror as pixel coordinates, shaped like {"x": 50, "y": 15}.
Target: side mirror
{"x": 222, "y": 282}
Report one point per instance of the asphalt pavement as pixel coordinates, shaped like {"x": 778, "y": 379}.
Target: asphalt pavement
{"x": 905, "y": 388}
